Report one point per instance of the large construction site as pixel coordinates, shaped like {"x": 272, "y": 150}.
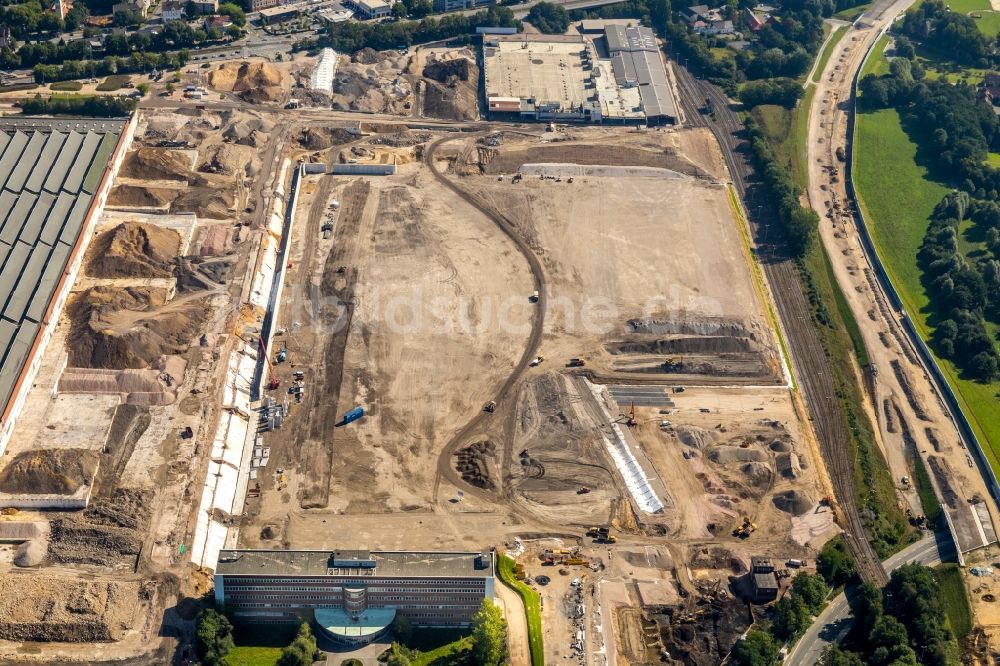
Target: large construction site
{"x": 413, "y": 331}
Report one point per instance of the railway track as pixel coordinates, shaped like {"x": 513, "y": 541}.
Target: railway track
{"x": 445, "y": 469}
{"x": 809, "y": 356}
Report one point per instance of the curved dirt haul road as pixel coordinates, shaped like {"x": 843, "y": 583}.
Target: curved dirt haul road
{"x": 444, "y": 468}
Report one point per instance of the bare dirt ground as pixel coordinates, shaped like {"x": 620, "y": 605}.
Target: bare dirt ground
{"x": 410, "y": 329}
{"x": 417, "y": 307}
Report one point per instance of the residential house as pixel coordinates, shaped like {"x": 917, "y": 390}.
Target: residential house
{"x": 695, "y": 13}
{"x": 755, "y": 19}
{"x": 218, "y": 22}
{"x": 138, "y": 6}
{"x": 172, "y": 11}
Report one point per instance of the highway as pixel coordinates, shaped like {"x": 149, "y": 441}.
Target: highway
{"x": 835, "y": 620}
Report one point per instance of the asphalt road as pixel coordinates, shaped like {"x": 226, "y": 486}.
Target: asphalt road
{"x": 835, "y": 620}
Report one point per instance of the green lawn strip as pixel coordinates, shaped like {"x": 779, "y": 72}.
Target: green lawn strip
{"x": 253, "y": 656}
{"x": 450, "y": 654}
{"x": 69, "y": 86}
{"x": 846, "y": 316}
{"x": 852, "y": 13}
{"x": 532, "y": 608}
{"x": 877, "y": 63}
{"x": 966, "y": 6}
{"x": 993, "y": 159}
{"x": 113, "y": 82}
{"x": 954, "y": 599}
{"x": 897, "y": 198}
{"x": 925, "y": 491}
{"x": 988, "y": 23}
{"x": 828, "y": 51}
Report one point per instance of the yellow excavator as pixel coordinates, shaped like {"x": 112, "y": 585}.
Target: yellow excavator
{"x": 746, "y": 529}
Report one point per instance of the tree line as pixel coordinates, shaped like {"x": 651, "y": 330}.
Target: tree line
{"x": 955, "y": 131}
{"x": 351, "y": 36}
{"x": 137, "y": 62}
{"x": 952, "y": 34}
{"x": 97, "y": 106}
{"x": 799, "y": 223}
{"x": 901, "y": 625}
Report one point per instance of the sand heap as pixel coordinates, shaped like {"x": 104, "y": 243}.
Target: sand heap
{"x": 120, "y": 328}
{"x": 134, "y": 249}
{"x": 157, "y": 164}
{"x": 251, "y": 132}
{"x": 373, "y": 83}
{"x": 252, "y": 81}
{"x": 794, "y": 502}
{"x": 65, "y": 609}
{"x": 49, "y": 472}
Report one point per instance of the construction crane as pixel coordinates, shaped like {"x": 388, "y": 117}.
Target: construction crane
{"x": 630, "y": 420}
{"x": 272, "y": 382}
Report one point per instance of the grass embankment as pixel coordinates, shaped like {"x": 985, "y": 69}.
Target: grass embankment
{"x": 787, "y": 131}
{"x": 925, "y": 491}
{"x": 828, "y": 51}
{"x": 450, "y": 654}
{"x": 954, "y": 599}
{"x": 18, "y": 87}
{"x": 897, "y": 196}
{"x": 532, "y": 608}
{"x": 113, "y": 82}
{"x": 852, "y": 13}
{"x": 877, "y": 63}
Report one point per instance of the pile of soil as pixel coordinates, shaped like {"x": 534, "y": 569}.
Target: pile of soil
{"x": 250, "y": 132}
{"x": 321, "y": 138}
{"x": 133, "y": 249}
{"x": 157, "y": 164}
{"x": 373, "y": 83}
{"x": 445, "y": 71}
{"x": 136, "y": 196}
{"x": 108, "y": 533}
{"x": 779, "y": 446}
{"x": 107, "y": 331}
{"x": 794, "y": 502}
{"x": 759, "y": 474}
{"x": 65, "y": 609}
{"x": 789, "y": 465}
{"x": 473, "y": 464}
{"x": 451, "y": 89}
{"x": 31, "y": 553}
{"x": 695, "y": 437}
{"x": 49, "y": 472}
{"x": 728, "y": 454}
{"x": 252, "y": 81}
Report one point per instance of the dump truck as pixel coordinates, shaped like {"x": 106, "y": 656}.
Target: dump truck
{"x": 490, "y": 407}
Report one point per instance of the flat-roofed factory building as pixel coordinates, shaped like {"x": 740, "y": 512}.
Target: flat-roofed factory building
{"x": 616, "y": 76}
{"x": 353, "y": 596}
{"x": 55, "y": 175}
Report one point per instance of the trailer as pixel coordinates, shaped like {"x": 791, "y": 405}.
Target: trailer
{"x": 354, "y": 415}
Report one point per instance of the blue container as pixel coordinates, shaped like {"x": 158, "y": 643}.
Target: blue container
{"x": 354, "y": 415}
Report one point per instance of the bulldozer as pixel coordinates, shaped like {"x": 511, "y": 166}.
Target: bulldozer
{"x": 746, "y": 529}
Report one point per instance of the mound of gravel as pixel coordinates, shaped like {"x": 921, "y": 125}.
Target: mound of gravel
{"x": 31, "y": 553}
{"x": 793, "y": 501}
{"x": 788, "y": 465}
{"x": 779, "y": 446}
{"x": 756, "y": 472}
{"x": 729, "y": 454}
{"x": 695, "y": 437}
